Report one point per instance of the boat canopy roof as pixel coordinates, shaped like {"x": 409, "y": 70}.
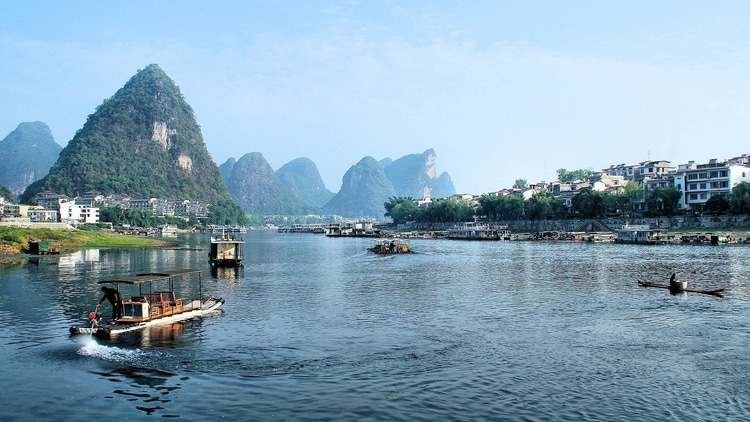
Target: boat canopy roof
{"x": 149, "y": 277}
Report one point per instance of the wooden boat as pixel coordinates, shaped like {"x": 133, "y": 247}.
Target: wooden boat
{"x": 389, "y": 246}
{"x": 43, "y": 247}
{"x": 149, "y": 307}
{"x": 679, "y": 286}
{"x": 226, "y": 251}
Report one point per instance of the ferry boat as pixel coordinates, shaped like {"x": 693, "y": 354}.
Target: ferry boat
{"x": 150, "y": 306}
{"x": 478, "y": 231}
{"x": 226, "y": 251}
{"x": 640, "y": 234}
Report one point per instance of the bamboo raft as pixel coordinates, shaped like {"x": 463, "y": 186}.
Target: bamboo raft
{"x": 715, "y": 292}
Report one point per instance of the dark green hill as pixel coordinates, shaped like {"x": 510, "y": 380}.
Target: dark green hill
{"x": 26, "y": 155}
{"x": 257, "y": 190}
{"x": 301, "y": 176}
{"x": 364, "y": 190}
{"x": 143, "y": 141}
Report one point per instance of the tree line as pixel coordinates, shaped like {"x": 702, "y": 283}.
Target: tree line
{"x": 629, "y": 201}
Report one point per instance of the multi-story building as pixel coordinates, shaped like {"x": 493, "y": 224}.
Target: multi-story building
{"x": 699, "y": 182}
{"x": 641, "y": 171}
{"x": 72, "y": 213}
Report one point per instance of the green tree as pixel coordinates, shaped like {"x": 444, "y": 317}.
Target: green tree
{"x": 539, "y": 206}
{"x": 401, "y": 209}
{"x": 448, "y": 210}
{"x": 632, "y": 196}
{"x": 718, "y": 204}
{"x": 589, "y": 203}
{"x": 7, "y": 194}
{"x": 739, "y": 199}
{"x": 520, "y": 184}
{"x": 226, "y": 212}
{"x": 566, "y": 176}
{"x": 663, "y": 201}
{"x": 500, "y": 207}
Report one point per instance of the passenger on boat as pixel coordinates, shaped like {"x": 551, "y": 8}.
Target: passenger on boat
{"x": 115, "y": 298}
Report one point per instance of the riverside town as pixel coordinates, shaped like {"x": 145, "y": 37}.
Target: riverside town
{"x": 656, "y": 194}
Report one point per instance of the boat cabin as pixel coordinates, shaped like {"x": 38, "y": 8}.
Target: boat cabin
{"x": 150, "y": 304}
{"x": 641, "y": 234}
{"x": 226, "y": 251}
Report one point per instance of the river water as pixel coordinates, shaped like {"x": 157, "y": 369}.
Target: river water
{"x": 315, "y": 328}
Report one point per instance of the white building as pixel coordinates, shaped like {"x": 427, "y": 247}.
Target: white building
{"x": 699, "y": 182}
{"x": 72, "y": 213}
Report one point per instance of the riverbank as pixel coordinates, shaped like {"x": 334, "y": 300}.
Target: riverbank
{"x": 15, "y": 240}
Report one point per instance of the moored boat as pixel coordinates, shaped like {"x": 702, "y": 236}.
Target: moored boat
{"x": 478, "y": 231}
{"x": 155, "y": 303}
{"x": 226, "y": 251}
{"x": 43, "y": 247}
{"x": 640, "y": 234}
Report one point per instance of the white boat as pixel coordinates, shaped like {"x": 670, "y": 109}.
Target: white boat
{"x": 150, "y": 306}
{"x": 478, "y": 231}
{"x": 641, "y": 235}
{"x": 226, "y": 251}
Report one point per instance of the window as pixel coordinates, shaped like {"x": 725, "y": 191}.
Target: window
{"x": 693, "y": 196}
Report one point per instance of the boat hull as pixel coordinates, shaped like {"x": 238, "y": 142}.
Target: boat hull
{"x": 108, "y": 331}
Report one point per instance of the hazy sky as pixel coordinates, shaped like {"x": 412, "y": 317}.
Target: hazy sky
{"x": 501, "y": 90}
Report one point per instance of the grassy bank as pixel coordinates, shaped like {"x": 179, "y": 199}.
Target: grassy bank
{"x": 15, "y": 240}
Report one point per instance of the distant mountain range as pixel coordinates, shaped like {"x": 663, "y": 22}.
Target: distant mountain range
{"x": 145, "y": 142}
{"x": 26, "y": 155}
{"x": 297, "y": 188}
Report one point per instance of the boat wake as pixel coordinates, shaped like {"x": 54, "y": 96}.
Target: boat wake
{"x": 89, "y": 347}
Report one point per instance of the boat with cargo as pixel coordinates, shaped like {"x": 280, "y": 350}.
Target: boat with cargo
{"x": 389, "y": 246}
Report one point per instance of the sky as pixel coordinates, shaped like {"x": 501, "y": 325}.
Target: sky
{"x": 501, "y": 90}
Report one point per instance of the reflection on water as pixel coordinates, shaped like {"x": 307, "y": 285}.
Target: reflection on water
{"x": 226, "y": 273}
{"x": 315, "y": 327}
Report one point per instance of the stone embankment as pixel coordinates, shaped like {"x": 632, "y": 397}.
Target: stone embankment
{"x": 682, "y": 223}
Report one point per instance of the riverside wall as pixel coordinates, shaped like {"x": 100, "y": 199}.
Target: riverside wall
{"x": 724, "y": 222}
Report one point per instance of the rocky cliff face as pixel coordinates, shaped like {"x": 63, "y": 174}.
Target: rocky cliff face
{"x": 364, "y": 190}
{"x": 143, "y": 141}
{"x": 26, "y": 155}
{"x": 415, "y": 175}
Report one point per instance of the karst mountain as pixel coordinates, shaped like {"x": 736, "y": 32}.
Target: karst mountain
{"x": 144, "y": 141}
{"x": 26, "y": 155}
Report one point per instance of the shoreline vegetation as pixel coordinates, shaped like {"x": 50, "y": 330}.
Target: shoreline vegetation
{"x": 15, "y": 240}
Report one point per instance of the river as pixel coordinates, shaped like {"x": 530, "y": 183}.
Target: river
{"x": 316, "y": 328}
